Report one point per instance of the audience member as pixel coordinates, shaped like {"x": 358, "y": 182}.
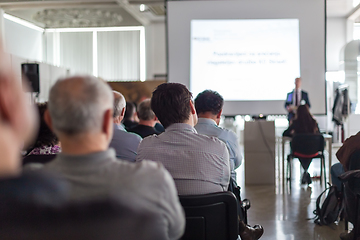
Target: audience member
{"x": 18, "y": 124}
{"x": 17, "y": 120}
{"x": 303, "y": 123}
{"x": 349, "y": 147}
{"x": 34, "y": 205}
{"x": 81, "y": 115}
{"x": 46, "y": 144}
{"x": 130, "y": 118}
{"x": 209, "y": 106}
{"x": 147, "y": 120}
{"x": 124, "y": 143}
{"x": 199, "y": 164}
{"x": 100, "y": 219}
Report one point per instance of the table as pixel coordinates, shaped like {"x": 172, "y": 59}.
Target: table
{"x": 328, "y": 140}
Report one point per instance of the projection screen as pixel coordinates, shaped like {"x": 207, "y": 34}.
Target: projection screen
{"x": 250, "y": 51}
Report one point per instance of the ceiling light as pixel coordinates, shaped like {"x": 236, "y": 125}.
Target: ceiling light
{"x": 142, "y": 7}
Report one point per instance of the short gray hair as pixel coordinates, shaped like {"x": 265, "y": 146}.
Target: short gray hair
{"x": 144, "y": 110}
{"x": 77, "y": 104}
{"x": 119, "y": 103}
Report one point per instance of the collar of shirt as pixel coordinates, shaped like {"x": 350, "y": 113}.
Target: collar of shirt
{"x": 87, "y": 158}
{"x": 180, "y": 127}
{"x": 206, "y": 121}
{"x": 119, "y": 127}
{"x": 297, "y": 90}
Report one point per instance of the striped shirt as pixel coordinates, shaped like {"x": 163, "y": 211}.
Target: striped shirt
{"x": 199, "y": 164}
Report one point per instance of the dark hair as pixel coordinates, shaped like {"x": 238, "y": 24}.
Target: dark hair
{"x": 129, "y": 110}
{"x": 170, "y": 103}
{"x": 209, "y": 101}
{"x": 306, "y": 123}
{"x": 45, "y": 136}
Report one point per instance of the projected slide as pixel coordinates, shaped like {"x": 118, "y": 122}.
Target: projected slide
{"x": 245, "y": 60}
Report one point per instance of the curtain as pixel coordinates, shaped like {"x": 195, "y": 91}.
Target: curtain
{"x": 119, "y": 55}
{"x": 76, "y": 52}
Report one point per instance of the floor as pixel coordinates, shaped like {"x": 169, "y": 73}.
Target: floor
{"x": 286, "y": 214}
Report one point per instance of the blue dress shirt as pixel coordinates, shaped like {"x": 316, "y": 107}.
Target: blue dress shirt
{"x": 209, "y": 127}
{"x": 125, "y": 143}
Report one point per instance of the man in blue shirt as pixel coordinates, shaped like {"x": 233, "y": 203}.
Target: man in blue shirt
{"x": 209, "y": 106}
{"x": 124, "y": 143}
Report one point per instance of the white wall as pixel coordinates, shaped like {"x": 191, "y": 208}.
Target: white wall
{"x": 335, "y": 40}
{"x": 23, "y": 41}
{"x": 155, "y": 49}
{"x": 48, "y": 75}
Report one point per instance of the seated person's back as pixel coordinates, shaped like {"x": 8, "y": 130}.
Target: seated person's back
{"x": 303, "y": 122}
{"x": 46, "y": 145}
{"x": 199, "y": 164}
{"x": 209, "y": 106}
{"x": 81, "y": 115}
{"x": 124, "y": 143}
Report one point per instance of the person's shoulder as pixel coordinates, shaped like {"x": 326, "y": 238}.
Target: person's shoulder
{"x": 128, "y": 134}
{"x": 209, "y": 140}
{"x": 144, "y": 171}
{"x": 52, "y": 164}
{"x": 352, "y": 139}
{"x": 134, "y": 136}
{"x": 226, "y": 131}
{"x": 150, "y": 139}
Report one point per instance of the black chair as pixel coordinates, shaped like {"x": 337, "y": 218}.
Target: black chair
{"x": 351, "y": 187}
{"x": 38, "y": 159}
{"x": 107, "y": 219}
{"x": 307, "y": 146}
{"x": 351, "y": 181}
{"x": 211, "y": 216}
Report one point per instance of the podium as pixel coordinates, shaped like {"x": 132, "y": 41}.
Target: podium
{"x": 259, "y": 148}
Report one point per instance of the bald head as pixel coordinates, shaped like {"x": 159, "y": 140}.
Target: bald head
{"x": 119, "y": 104}
{"x": 77, "y": 104}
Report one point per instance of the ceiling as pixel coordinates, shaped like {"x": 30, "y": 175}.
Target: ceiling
{"x": 90, "y": 13}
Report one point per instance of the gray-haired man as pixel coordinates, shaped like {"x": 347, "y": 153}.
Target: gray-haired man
{"x": 124, "y": 143}
{"x": 147, "y": 120}
{"x": 81, "y": 115}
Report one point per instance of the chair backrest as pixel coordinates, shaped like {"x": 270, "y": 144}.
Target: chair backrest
{"x": 38, "y": 159}
{"x": 211, "y": 216}
{"x": 107, "y": 219}
{"x": 307, "y": 143}
{"x": 354, "y": 164}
